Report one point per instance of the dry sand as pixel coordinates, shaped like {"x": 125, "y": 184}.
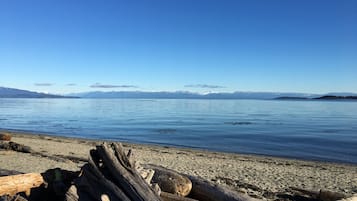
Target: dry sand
{"x": 258, "y": 176}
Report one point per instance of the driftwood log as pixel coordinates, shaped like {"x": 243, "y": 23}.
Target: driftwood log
{"x": 11, "y": 185}
{"x": 205, "y": 190}
{"x": 110, "y": 175}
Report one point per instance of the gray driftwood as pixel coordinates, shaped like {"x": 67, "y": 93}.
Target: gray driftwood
{"x": 92, "y": 184}
{"x": 109, "y": 175}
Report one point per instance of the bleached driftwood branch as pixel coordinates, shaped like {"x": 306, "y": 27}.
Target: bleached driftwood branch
{"x": 10, "y": 185}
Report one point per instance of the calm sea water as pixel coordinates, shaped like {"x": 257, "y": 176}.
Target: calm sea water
{"x": 317, "y": 130}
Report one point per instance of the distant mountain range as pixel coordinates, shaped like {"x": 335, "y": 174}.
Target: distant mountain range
{"x": 17, "y": 93}
{"x": 234, "y": 95}
{"x": 188, "y": 95}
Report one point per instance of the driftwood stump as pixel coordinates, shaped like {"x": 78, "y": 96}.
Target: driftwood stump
{"x": 110, "y": 175}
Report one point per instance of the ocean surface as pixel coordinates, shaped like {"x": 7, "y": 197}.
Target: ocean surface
{"x": 313, "y": 130}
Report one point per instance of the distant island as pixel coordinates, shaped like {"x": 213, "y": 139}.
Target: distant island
{"x": 18, "y": 93}
{"x": 325, "y": 97}
{"x": 329, "y": 97}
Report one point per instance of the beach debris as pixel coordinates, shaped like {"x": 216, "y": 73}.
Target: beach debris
{"x": 15, "y": 147}
{"x": 5, "y": 136}
{"x": 11, "y": 185}
{"x": 170, "y": 181}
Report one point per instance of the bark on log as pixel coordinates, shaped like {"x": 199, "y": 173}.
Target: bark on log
{"x": 170, "y": 181}
{"x": 123, "y": 173}
{"x": 205, "y": 190}
{"x": 10, "y": 185}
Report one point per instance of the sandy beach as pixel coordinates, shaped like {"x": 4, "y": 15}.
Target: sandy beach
{"x": 258, "y": 176}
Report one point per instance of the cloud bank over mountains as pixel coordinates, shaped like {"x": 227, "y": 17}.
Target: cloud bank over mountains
{"x": 44, "y": 84}
{"x": 206, "y": 86}
{"x": 188, "y": 95}
{"x": 107, "y": 86}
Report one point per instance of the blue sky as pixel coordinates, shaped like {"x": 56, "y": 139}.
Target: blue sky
{"x": 169, "y": 45}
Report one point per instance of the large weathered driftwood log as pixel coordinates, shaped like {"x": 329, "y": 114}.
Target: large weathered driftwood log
{"x": 10, "y": 185}
{"x": 124, "y": 174}
{"x": 109, "y": 173}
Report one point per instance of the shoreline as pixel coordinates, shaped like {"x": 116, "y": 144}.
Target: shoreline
{"x": 55, "y": 135}
{"x": 256, "y": 175}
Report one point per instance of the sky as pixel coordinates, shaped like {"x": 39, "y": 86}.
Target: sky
{"x": 63, "y": 46}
